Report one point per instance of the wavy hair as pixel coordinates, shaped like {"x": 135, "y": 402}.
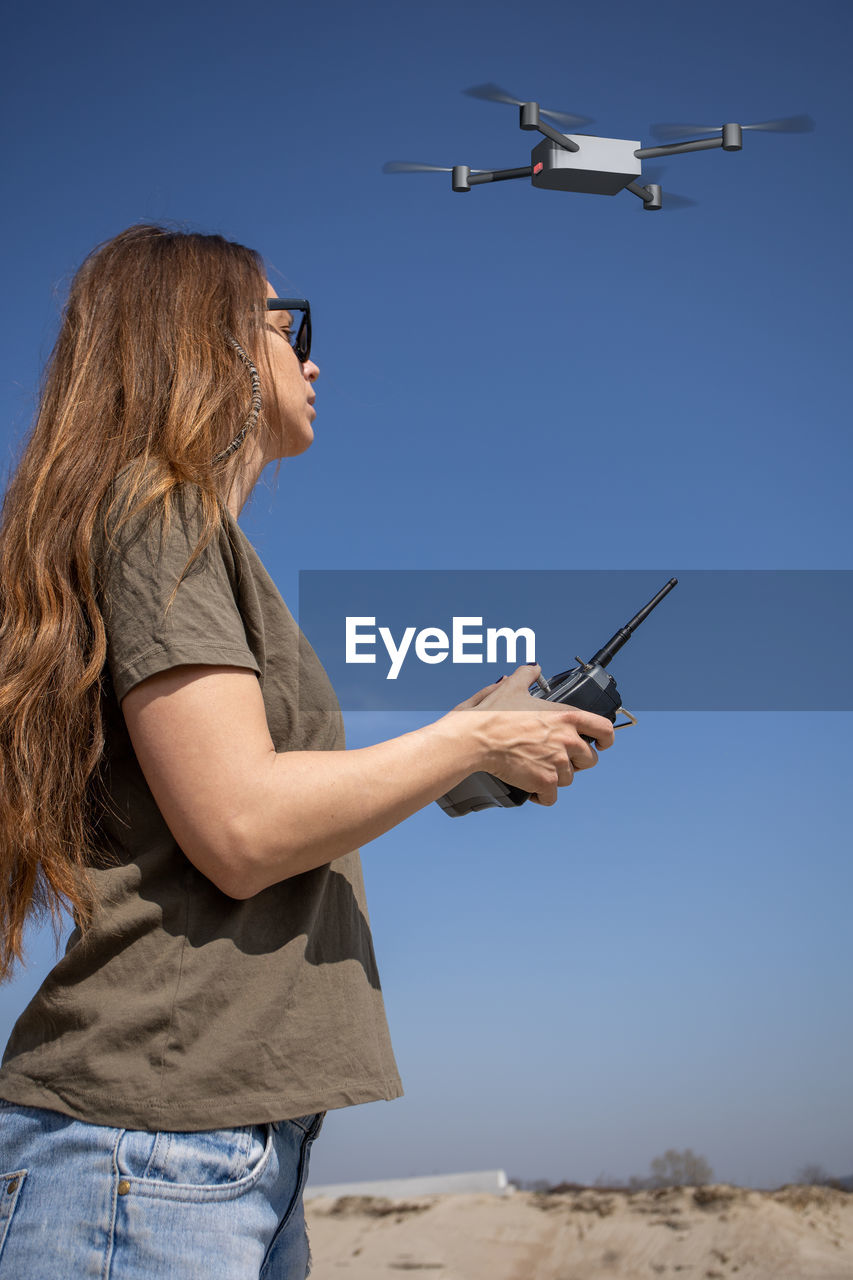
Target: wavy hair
{"x": 142, "y": 380}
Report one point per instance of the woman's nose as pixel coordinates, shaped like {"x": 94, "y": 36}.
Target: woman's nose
{"x": 310, "y": 371}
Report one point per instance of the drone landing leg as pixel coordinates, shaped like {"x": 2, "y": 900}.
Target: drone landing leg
{"x": 650, "y": 195}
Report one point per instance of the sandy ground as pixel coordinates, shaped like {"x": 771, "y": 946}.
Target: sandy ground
{"x": 712, "y": 1233}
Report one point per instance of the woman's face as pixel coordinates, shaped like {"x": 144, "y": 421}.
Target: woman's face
{"x": 289, "y": 405}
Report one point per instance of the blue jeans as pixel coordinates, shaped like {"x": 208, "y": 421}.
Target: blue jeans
{"x": 83, "y": 1200}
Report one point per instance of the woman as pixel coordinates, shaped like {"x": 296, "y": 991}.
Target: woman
{"x": 174, "y": 772}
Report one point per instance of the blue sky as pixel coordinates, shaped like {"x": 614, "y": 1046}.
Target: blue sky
{"x": 523, "y": 379}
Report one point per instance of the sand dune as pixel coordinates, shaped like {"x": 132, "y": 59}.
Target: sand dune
{"x": 706, "y": 1233}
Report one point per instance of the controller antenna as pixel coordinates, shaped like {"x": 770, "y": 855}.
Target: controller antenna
{"x": 615, "y": 643}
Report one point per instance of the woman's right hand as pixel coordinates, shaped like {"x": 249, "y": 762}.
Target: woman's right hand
{"x": 528, "y": 742}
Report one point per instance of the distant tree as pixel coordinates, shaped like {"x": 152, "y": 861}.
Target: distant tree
{"x": 813, "y": 1175}
{"x": 680, "y": 1169}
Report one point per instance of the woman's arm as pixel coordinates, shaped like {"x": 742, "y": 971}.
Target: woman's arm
{"x": 248, "y": 816}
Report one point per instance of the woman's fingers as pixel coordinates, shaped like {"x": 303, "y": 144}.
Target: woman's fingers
{"x": 513, "y": 691}
{"x": 565, "y": 774}
{"x": 584, "y": 756}
{"x": 476, "y": 698}
{"x": 547, "y": 794}
{"x": 533, "y": 743}
{"x": 590, "y": 725}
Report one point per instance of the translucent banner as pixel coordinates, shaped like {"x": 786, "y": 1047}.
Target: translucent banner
{"x": 721, "y": 640}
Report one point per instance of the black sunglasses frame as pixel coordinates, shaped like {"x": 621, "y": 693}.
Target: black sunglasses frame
{"x": 302, "y": 342}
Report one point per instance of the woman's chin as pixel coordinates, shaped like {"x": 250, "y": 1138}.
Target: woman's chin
{"x": 298, "y": 445}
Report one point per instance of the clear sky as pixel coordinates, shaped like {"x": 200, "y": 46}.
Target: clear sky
{"x": 523, "y": 379}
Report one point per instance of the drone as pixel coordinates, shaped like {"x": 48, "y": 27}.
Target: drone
{"x": 583, "y": 162}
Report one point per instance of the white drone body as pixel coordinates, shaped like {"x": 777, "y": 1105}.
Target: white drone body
{"x": 600, "y": 166}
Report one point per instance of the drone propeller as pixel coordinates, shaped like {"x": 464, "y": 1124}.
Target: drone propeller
{"x": 494, "y": 93}
{"x": 413, "y": 166}
{"x": 786, "y": 124}
{"x": 654, "y": 173}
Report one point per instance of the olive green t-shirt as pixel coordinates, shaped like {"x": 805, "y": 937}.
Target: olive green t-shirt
{"x": 186, "y": 1009}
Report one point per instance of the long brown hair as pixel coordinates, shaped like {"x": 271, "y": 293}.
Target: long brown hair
{"x": 142, "y": 378}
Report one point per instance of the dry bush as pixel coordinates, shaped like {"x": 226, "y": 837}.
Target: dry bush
{"x": 800, "y": 1197}
{"x": 714, "y": 1197}
{"x": 373, "y": 1207}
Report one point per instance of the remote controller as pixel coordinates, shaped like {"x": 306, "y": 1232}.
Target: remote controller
{"x": 587, "y": 686}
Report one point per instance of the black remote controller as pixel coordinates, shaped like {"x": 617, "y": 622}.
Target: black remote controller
{"x": 588, "y": 686}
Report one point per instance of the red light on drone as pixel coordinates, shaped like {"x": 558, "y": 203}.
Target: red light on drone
{"x": 537, "y": 168}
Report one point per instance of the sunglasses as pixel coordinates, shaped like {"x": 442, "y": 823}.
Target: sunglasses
{"x": 300, "y": 338}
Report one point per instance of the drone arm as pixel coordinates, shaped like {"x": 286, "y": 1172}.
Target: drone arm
{"x": 568, "y": 144}
{"x": 463, "y": 179}
{"x": 500, "y": 175}
{"x": 529, "y": 119}
{"x": 673, "y": 148}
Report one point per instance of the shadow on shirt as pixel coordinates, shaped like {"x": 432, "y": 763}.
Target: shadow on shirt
{"x": 318, "y": 907}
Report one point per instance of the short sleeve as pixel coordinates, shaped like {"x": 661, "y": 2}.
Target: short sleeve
{"x": 135, "y": 580}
